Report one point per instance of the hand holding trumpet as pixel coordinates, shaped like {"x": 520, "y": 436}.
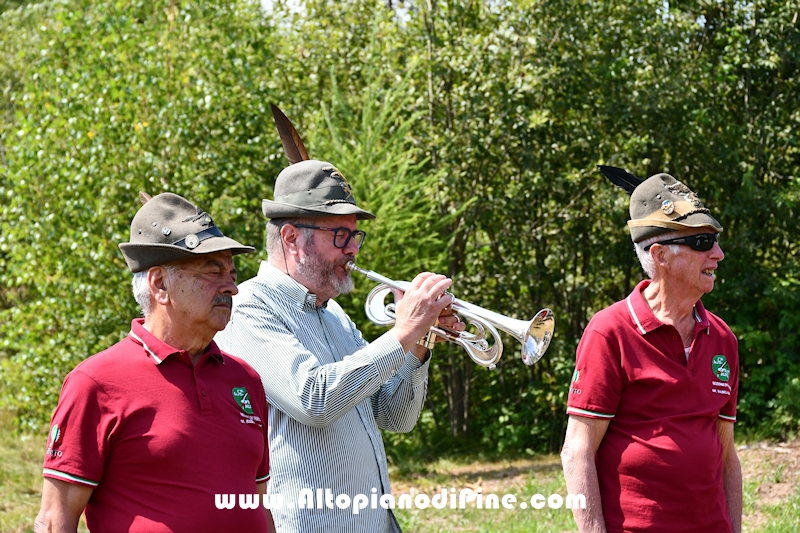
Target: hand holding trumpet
{"x": 423, "y": 305}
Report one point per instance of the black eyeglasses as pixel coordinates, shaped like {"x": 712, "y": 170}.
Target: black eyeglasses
{"x": 702, "y": 242}
{"x": 341, "y": 236}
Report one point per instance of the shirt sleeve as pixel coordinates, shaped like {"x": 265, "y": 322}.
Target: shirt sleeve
{"x": 78, "y": 441}
{"x": 263, "y": 474}
{"x": 596, "y": 387}
{"x": 295, "y": 380}
{"x": 728, "y": 411}
{"x": 398, "y": 403}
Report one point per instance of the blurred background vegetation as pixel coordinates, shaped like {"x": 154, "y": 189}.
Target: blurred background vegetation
{"x": 473, "y": 129}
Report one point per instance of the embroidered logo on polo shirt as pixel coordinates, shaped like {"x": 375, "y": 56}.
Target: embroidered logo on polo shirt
{"x": 56, "y": 435}
{"x": 242, "y": 398}
{"x": 722, "y": 373}
{"x": 575, "y": 377}
{"x": 719, "y": 365}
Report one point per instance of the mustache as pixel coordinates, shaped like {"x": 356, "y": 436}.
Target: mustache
{"x": 226, "y": 299}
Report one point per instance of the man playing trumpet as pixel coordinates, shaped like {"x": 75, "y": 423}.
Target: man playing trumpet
{"x": 328, "y": 389}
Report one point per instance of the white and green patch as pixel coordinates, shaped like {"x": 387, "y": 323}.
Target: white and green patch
{"x": 55, "y": 435}
{"x": 720, "y": 367}
{"x": 242, "y": 398}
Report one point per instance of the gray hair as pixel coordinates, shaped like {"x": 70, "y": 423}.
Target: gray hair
{"x": 141, "y": 288}
{"x": 274, "y": 245}
{"x": 141, "y": 292}
{"x": 645, "y": 259}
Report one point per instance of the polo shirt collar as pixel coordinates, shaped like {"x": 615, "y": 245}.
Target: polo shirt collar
{"x": 159, "y": 350}
{"x": 644, "y": 319}
{"x": 292, "y": 290}
{"x": 701, "y": 318}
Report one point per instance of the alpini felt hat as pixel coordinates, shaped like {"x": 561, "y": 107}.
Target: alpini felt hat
{"x": 660, "y": 204}
{"x": 312, "y": 188}
{"x": 307, "y": 188}
{"x": 169, "y": 228}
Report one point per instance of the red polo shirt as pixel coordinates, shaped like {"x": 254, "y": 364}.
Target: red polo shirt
{"x": 157, "y": 438}
{"x": 660, "y": 462}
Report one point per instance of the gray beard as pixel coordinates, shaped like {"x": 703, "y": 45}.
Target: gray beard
{"x": 322, "y": 273}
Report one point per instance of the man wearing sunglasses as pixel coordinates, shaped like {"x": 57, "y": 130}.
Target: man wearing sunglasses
{"x": 329, "y": 390}
{"x": 652, "y": 401}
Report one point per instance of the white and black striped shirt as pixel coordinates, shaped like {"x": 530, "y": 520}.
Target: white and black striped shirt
{"x": 328, "y": 392}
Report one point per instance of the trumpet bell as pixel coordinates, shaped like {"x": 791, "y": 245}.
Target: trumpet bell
{"x": 537, "y": 337}
{"x": 534, "y": 335}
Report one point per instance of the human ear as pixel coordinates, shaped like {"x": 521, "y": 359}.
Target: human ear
{"x": 289, "y": 235}
{"x": 661, "y": 255}
{"x": 157, "y": 281}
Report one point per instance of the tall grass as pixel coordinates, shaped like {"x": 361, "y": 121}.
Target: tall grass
{"x": 21, "y": 459}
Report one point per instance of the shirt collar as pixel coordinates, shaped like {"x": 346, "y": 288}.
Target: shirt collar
{"x": 159, "y": 350}
{"x": 644, "y": 319}
{"x": 701, "y": 318}
{"x": 291, "y": 289}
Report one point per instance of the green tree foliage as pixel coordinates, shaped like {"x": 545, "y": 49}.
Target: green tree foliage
{"x": 6, "y": 5}
{"x": 473, "y": 129}
{"x": 107, "y": 100}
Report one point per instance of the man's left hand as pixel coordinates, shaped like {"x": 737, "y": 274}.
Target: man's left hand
{"x": 450, "y": 321}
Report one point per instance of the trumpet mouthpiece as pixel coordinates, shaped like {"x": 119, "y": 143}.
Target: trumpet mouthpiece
{"x": 352, "y": 267}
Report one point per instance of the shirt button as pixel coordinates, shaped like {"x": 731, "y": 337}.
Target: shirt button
{"x": 203, "y": 392}
{"x": 674, "y": 338}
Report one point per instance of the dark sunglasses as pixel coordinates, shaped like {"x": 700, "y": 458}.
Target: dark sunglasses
{"x": 341, "y": 236}
{"x": 702, "y": 242}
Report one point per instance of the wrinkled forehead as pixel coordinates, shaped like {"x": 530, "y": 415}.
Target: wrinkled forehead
{"x": 222, "y": 258}
{"x": 336, "y": 221}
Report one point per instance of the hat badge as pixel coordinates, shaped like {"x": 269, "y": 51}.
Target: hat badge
{"x": 192, "y": 241}
{"x": 694, "y": 200}
{"x": 679, "y": 188}
{"x": 667, "y": 207}
{"x": 348, "y": 190}
{"x": 200, "y": 217}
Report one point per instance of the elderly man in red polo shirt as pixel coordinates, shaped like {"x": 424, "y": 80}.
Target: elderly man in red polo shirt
{"x": 147, "y": 433}
{"x": 652, "y": 401}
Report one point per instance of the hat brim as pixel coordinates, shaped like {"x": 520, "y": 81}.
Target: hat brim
{"x": 141, "y": 256}
{"x": 645, "y": 228}
{"x": 272, "y": 209}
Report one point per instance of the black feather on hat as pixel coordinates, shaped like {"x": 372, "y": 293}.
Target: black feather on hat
{"x": 621, "y": 178}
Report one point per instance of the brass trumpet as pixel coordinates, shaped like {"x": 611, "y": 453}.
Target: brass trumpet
{"x": 534, "y": 335}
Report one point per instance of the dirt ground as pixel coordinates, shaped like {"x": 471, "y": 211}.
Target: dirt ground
{"x": 775, "y": 471}
{"x": 490, "y": 477}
